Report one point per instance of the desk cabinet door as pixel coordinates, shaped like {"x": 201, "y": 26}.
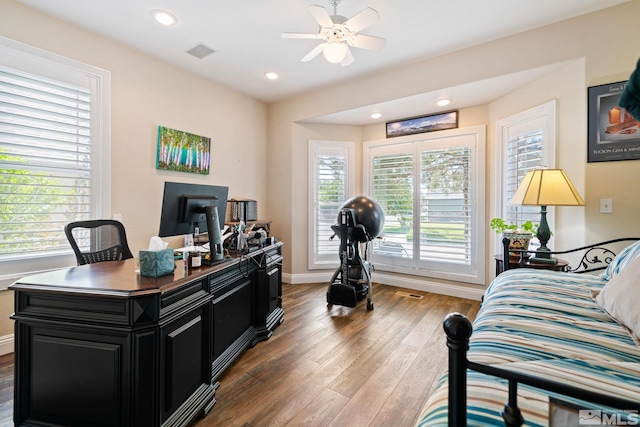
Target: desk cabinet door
{"x": 71, "y": 377}
{"x": 186, "y": 361}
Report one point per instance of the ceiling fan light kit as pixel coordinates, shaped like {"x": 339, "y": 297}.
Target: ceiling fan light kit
{"x": 335, "y": 52}
{"x": 338, "y": 33}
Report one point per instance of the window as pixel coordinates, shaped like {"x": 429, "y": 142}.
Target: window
{"x": 331, "y": 182}
{"x": 54, "y": 158}
{"x": 430, "y": 189}
{"x": 527, "y": 142}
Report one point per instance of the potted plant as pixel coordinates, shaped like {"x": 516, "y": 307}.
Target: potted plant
{"x": 519, "y": 235}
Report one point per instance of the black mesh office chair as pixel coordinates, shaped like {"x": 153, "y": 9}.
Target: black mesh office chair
{"x": 98, "y": 240}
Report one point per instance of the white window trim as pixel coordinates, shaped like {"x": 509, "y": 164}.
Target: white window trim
{"x": 476, "y": 273}
{"x": 34, "y": 60}
{"x": 546, "y": 112}
{"x": 317, "y": 147}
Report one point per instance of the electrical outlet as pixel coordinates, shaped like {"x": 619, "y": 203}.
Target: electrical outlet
{"x": 606, "y": 206}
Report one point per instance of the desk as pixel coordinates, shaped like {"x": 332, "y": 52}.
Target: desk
{"x": 561, "y": 265}
{"x": 100, "y": 345}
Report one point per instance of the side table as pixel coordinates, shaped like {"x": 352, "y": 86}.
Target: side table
{"x": 561, "y": 265}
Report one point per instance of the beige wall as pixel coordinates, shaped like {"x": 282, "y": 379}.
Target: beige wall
{"x": 146, "y": 93}
{"x": 6, "y": 309}
{"x": 260, "y": 151}
{"x": 593, "y": 49}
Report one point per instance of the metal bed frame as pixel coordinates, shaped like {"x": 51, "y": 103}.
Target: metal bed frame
{"x": 459, "y": 329}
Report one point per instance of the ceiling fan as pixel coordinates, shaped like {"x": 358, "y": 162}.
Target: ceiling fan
{"x": 338, "y": 33}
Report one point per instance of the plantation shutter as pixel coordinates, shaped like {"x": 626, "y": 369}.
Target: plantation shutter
{"x": 45, "y": 162}
{"x": 331, "y": 195}
{"x": 446, "y": 205}
{"x": 430, "y": 189}
{"x": 392, "y": 187}
{"x": 524, "y": 154}
{"x": 330, "y": 182}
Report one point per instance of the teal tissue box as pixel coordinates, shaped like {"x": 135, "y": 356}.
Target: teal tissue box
{"x": 156, "y": 263}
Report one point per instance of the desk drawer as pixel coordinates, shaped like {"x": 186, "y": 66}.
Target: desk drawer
{"x": 184, "y": 298}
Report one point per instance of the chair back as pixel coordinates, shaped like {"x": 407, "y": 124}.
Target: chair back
{"x": 98, "y": 240}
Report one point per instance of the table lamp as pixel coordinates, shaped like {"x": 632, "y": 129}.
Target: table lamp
{"x": 546, "y": 187}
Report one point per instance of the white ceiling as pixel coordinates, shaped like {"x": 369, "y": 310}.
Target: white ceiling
{"x": 246, "y": 38}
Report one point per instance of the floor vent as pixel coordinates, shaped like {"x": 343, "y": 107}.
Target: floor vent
{"x": 408, "y": 295}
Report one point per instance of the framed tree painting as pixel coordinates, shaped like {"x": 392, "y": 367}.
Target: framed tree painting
{"x": 613, "y": 133}
{"x": 183, "y": 152}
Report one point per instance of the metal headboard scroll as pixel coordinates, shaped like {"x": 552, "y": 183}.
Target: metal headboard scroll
{"x": 596, "y": 257}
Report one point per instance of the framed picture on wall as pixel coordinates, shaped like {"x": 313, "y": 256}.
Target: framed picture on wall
{"x": 183, "y": 152}
{"x": 430, "y": 123}
{"x": 613, "y": 133}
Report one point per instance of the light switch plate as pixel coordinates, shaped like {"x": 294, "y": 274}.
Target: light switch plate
{"x": 606, "y": 205}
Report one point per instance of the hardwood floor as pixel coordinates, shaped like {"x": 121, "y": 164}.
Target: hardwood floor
{"x": 340, "y": 366}
{"x": 6, "y": 390}
{"x": 329, "y": 366}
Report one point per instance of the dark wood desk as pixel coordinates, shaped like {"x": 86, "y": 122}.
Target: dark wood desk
{"x": 561, "y": 265}
{"x": 100, "y": 345}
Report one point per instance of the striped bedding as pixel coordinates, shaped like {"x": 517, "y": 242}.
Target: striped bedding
{"x": 547, "y": 324}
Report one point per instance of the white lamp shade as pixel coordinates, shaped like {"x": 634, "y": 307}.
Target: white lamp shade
{"x": 335, "y": 52}
{"x": 547, "y": 187}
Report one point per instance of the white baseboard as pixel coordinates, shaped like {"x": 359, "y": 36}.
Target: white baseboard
{"x": 6, "y": 344}
{"x": 473, "y": 291}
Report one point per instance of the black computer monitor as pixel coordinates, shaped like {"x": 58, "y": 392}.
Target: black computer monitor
{"x": 184, "y": 207}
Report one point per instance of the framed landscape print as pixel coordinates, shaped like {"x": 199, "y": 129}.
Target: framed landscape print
{"x": 613, "y": 133}
{"x": 430, "y": 123}
{"x": 183, "y": 152}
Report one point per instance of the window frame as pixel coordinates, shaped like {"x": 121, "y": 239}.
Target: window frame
{"x": 37, "y": 61}
{"x": 318, "y": 148}
{"x": 475, "y": 271}
{"x": 541, "y": 117}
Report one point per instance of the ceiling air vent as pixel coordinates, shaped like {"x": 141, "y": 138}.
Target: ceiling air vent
{"x": 200, "y": 51}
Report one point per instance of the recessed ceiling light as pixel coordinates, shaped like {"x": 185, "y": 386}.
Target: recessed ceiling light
{"x": 271, "y": 75}
{"x": 376, "y": 115}
{"x": 443, "y": 102}
{"x": 164, "y": 17}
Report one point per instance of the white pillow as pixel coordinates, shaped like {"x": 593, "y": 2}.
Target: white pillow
{"x": 623, "y": 259}
{"x": 619, "y": 297}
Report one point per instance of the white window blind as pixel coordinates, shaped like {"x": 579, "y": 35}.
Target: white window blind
{"x": 392, "y": 184}
{"x": 331, "y": 180}
{"x": 524, "y": 154}
{"x": 446, "y": 195}
{"x": 45, "y": 162}
{"x": 430, "y": 189}
{"x": 527, "y": 143}
{"x": 331, "y": 194}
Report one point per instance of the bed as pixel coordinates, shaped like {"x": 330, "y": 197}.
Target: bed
{"x": 547, "y": 348}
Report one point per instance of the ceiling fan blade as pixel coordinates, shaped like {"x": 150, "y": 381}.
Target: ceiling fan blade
{"x": 348, "y": 59}
{"x": 321, "y": 15}
{"x": 362, "y": 20}
{"x": 367, "y": 42}
{"x": 301, "y": 36}
{"x": 315, "y": 52}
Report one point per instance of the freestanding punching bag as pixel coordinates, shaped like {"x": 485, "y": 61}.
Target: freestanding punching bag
{"x": 215, "y": 238}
